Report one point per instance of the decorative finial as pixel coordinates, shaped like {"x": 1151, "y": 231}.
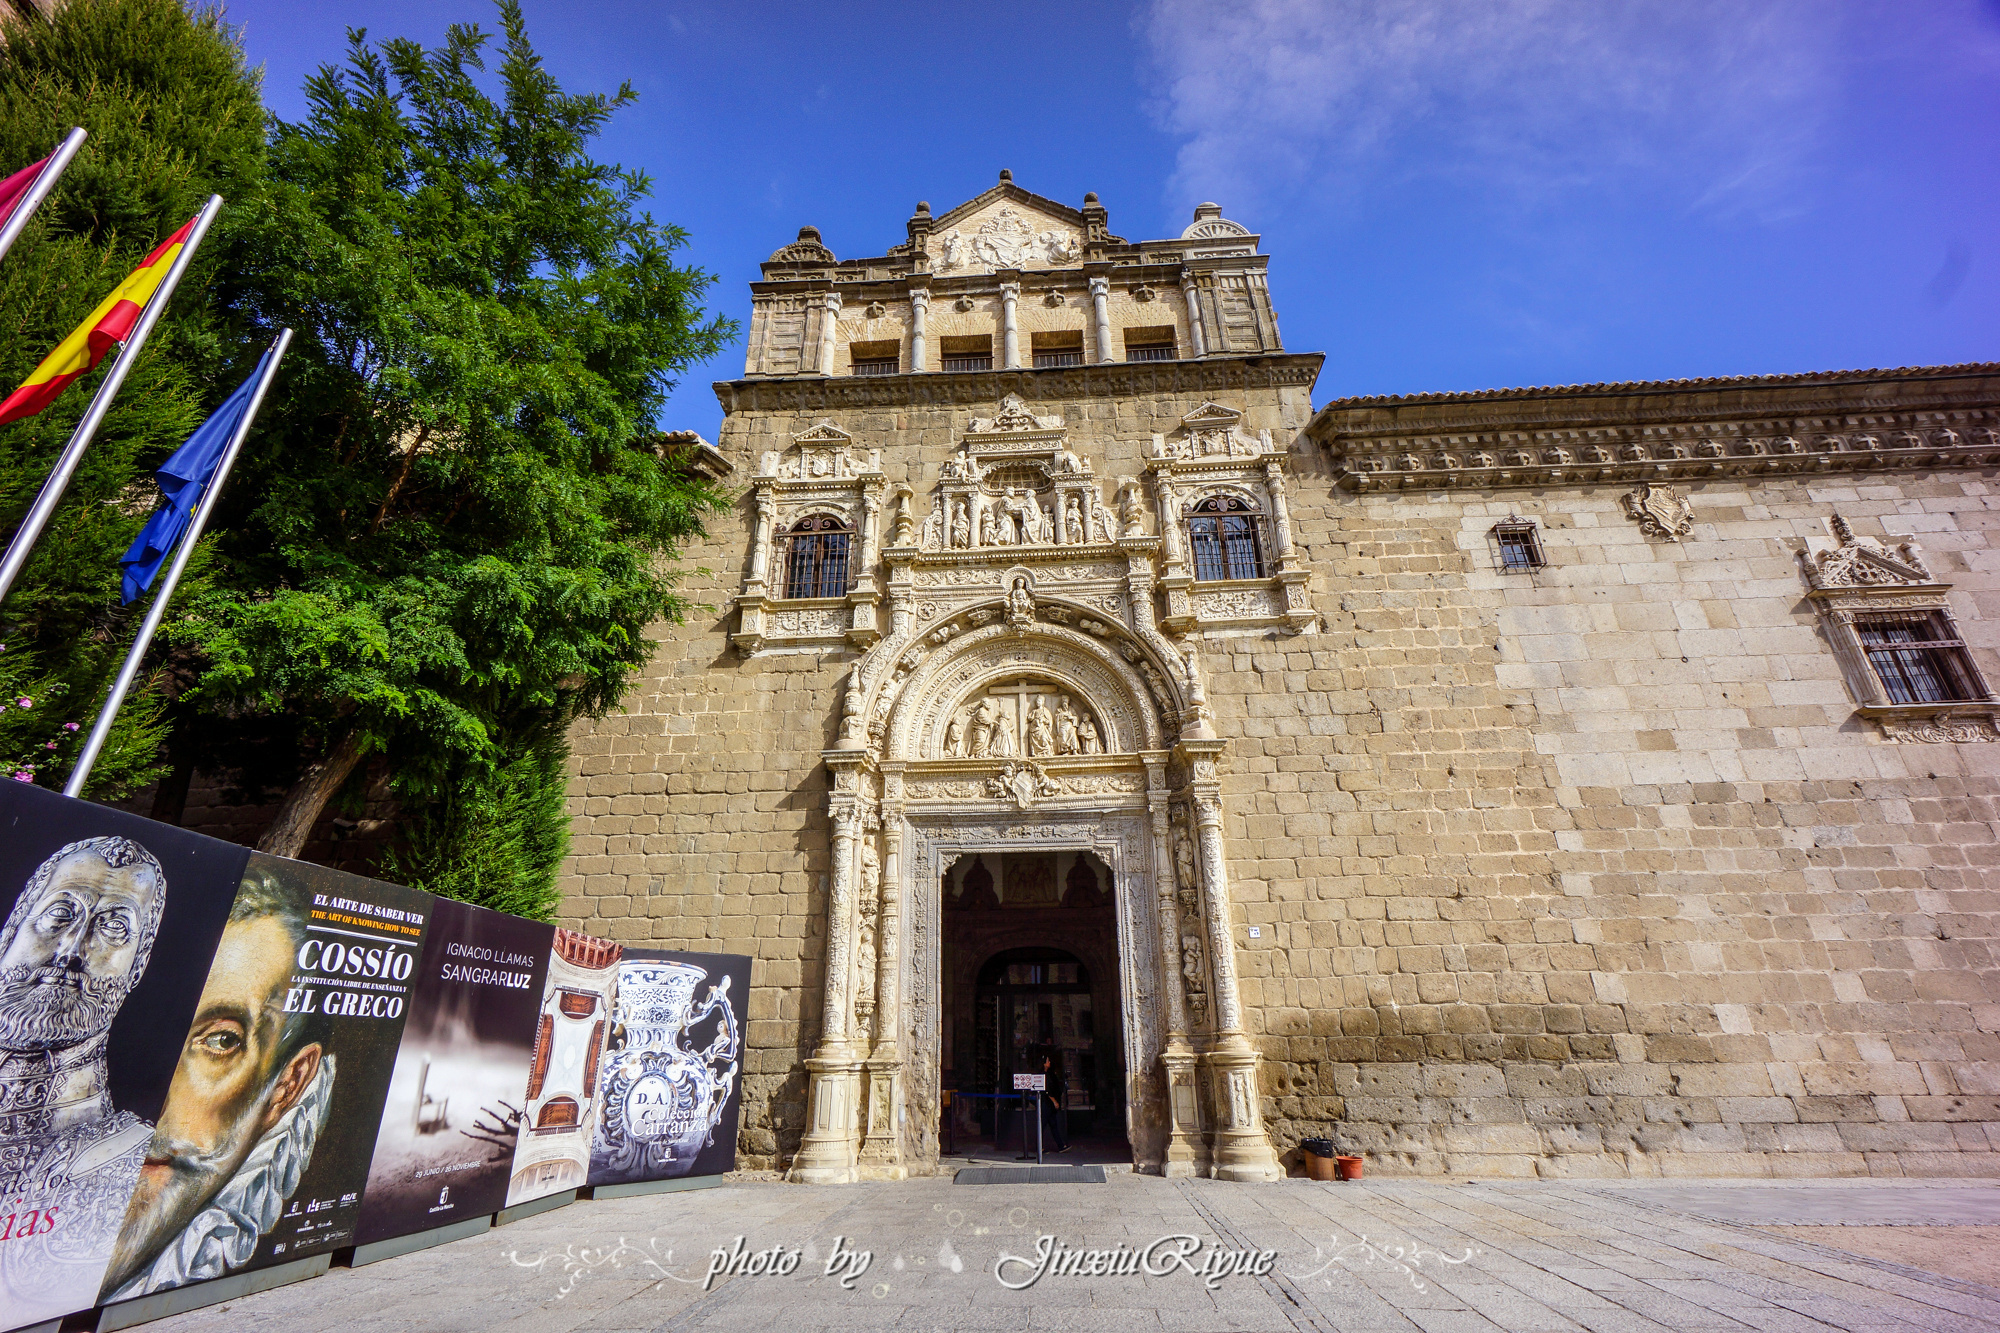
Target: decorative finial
{"x": 1090, "y": 199}
{"x": 924, "y": 207}
{"x": 809, "y": 234}
{"x": 1006, "y": 176}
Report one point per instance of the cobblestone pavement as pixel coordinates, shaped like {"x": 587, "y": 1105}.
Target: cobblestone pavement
{"x": 1357, "y": 1257}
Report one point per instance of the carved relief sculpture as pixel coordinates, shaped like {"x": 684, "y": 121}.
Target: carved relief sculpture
{"x": 1660, "y": 511}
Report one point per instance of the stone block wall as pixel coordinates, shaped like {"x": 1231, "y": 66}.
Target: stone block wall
{"x": 1594, "y": 870}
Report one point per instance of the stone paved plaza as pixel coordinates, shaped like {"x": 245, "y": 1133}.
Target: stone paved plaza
{"x": 1441, "y": 1257}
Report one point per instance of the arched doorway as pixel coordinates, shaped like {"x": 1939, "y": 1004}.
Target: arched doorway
{"x": 1030, "y": 967}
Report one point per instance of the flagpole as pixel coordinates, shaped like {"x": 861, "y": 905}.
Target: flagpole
{"x": 158, "y": 610}
{"x": 79, "y": 440}
{"x": 45, "y": 181}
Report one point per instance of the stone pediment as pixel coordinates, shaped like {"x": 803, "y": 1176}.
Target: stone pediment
{"x": 822, "y": 432}
{"x": 1864, "y": 563}
{"x": 1211, "y": 414}
{"x": 1006, "y": 228}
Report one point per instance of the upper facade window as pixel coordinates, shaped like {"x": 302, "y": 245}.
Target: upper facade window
{"x": 967, "y": 353}
{"x": 1052, "y": 350}
{"x": 1919, "y": 658}
{"x": 876, "y": 358}
{"x": 1518, "y": 544}
{"x": 1150, "y": 344}
{"x": 1224, "y": 533}
{"x": 816, "y": 558}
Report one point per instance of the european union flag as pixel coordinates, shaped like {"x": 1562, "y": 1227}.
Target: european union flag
{"x": 183, "y": 478}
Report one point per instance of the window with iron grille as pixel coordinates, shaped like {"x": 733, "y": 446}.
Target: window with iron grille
{"x": 881, "y": 357}
{"x": 1519, "y": 544}
{"x": 1057, "y": 347}
{"x": 1919, "y": 658}
{"x": 962, "y": 352}
{"x": 1227, "y": 538}
{"x": 816, "y": 558}
{"x": 884, "y": 366}
{"x": 1150, "y": 344}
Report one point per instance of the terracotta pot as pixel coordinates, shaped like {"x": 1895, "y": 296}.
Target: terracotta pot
{"x": 1348, "y": 1167}
{"x": 1317, "y": 1167}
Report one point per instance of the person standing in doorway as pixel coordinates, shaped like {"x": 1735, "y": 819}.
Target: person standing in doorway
{"x": 1052, "y": 1095}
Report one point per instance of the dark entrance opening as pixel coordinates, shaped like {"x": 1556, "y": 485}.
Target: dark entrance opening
{"x": 1030, "y": 961}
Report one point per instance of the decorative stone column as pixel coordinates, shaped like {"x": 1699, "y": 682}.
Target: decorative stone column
{"x": 827, "y": 1154}
{"x": 920, "y": 304}
{"x": 1242, "y": 1148}
{"x": 882, "y": 1148}
{"x": 829, "y": 323}
{"x": 1010, "y": 333}
{"x": 1192, "y": 293}
{"x": 1281, "y": 513}
{"x": 760, "y": 544}
{"x": 1177, "y": 1058}
{"x": 1100, "y": 290}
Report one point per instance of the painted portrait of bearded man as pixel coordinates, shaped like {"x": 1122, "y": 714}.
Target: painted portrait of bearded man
{"x": 248, "y": 1102}
{"x": 75, "y": 944}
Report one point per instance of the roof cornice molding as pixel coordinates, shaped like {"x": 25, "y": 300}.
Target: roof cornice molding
{"x": 1209, "y": 375}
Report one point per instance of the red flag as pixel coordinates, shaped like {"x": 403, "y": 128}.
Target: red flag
{"x": 17, "y": 185}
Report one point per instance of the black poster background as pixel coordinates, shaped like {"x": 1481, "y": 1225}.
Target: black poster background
{"x": 719, "y": 1153}
{"x": 473, "y": 1020}
{"x": 322, "y": 1212}
{"x": 145, "y": 1037}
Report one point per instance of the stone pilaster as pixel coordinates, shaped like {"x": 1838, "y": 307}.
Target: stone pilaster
{"x": 1010, "y": 330}
{"x": 1242, "y": 1150}
{"x": 833, "y": 1131}
{"x": 920, "y": 305}
{"x": 882, "y": 1149}
{"x": 1100, "y": 291}
{"x": 1196, "y": 342}
{"x": 1177, "y": 1058}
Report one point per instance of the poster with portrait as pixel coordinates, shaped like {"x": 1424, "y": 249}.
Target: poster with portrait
{"x": 261, "y": 1152}
{"x": 110, "y": 921}
{"x": 671, "y": 1086}
{"x": 570, "y": 1029}
{"x": 451, "y": 1122}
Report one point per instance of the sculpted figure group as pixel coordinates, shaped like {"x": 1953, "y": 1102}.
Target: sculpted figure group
{"x": 985, "y": 731}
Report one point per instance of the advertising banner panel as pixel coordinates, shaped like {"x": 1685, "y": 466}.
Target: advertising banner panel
{"x": 110, "y": 922}
{"x": 451, "y": 1122}
{"x": 261, "y": 1152}
{"x": 671, "y": 1089}
{"x": 561, "y": 1111}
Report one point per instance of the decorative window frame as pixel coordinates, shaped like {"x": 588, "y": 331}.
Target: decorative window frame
{"x": 1210, "y": 455}
{"x": 820, "y": 474}
{"x": 1860, "y": 579}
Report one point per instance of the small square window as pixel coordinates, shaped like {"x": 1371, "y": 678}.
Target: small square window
{"x": 1519, "y": 545}
{"x": 1155, "y": 343}
{"x": 966, "y": 353}
{"x": 883, "y": 357}
{"x": 1058, "y": 348}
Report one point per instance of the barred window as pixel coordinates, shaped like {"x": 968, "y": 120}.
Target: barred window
{"x": 1063, "y": 347}
{"x": 1226, "y": 535}
{"x": 816, "y": 558}
{"x": 966, "y": 352}
{"x": 1519, "y": 546}
{"x": 1919, "y": 658}
{"x": 1150, "y": 344}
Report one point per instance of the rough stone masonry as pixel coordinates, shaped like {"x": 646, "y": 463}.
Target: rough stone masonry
{"x": 1588, "y": 781}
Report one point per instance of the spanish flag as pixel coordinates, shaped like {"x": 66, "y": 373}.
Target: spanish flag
{"x": 112, "y": 322}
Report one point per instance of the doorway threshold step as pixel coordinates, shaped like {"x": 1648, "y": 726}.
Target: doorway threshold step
{"x": 1030, "y": 1175}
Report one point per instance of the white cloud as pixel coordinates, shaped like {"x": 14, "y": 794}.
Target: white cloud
{"x": 1703, "y": 103}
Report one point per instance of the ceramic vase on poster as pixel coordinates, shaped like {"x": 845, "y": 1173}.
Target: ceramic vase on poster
{"x": 664, "y": 1091}
{"x": 561, "y": 1109}
{"x": 110, "y": 921}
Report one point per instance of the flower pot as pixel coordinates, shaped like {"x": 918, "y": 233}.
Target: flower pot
{"x": 1317, "y": 1167}
{"x": 1349, "y": 1168}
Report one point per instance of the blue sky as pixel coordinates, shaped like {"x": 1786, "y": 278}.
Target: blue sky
{"x": 1456, "y": 194}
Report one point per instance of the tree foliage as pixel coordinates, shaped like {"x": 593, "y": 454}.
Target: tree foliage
{"x": 456, "y": 521}
{"x": 173, "y": 115}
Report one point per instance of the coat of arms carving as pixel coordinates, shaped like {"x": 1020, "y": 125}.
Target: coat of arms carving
{"x": 1660, "y": 511}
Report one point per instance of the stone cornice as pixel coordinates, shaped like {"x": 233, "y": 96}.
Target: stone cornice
{"x": 814, "y": 393}
{"x": 1842, "y": 421}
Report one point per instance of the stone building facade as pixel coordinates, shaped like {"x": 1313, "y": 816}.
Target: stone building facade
{"x": 1573, "y": 781}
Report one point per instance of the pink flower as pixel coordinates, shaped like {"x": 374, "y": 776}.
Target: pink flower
{"x": 50, "y": 746}
{"x": 24, "y": 776}
{"x": 69, "y": 726}
{"x": 25, "y": 702}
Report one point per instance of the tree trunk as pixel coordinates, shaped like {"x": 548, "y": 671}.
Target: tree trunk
{"x": 306, "y": 800}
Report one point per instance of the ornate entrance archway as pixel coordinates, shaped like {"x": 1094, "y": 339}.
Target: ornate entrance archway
{"x": 1025, "y": 699}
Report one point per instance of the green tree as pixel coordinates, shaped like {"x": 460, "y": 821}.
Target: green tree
{"x": 458, "y": 519}
{"x": 173, "y": 115}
